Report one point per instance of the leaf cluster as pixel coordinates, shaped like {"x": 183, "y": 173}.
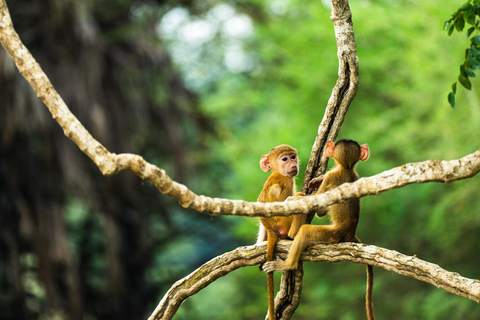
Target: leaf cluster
{"x": 467, "y": 14}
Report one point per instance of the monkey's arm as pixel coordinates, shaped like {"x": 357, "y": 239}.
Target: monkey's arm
{"x": 298, "y": 220}
{"x": 323, "y": 212}
{"x": 274, "y": 193}
{"x": 315, "y": 183}
{"x": 326, "y": 184}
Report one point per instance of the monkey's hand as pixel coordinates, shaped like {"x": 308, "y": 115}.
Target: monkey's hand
{"x": 323, "y": 212}
{"x": 272, "y": 266}
{"x": 315, "y": 183}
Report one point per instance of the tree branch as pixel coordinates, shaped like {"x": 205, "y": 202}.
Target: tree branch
{"x": 343, "y": 252}
{"x": 342, "y": 94}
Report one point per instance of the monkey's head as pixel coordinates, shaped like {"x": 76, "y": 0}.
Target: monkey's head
{"x": 282, "y": 159}
{"x": 347, "y": 152}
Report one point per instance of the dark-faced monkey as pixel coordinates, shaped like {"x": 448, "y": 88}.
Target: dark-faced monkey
{"x": 344, "y": 216}
{"x": 283, "y": 162}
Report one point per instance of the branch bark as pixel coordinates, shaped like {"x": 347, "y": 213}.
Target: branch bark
{"x": 342, "y": 94}
{"x": 409, "y": 266}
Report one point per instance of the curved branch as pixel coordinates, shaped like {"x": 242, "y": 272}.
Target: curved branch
{"x": 205, "y": 275}
{"x": 343, "y": 252}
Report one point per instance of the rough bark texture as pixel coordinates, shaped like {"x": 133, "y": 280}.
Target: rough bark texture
{"x": 343, "y": 92}
{"x": 409, "y": 266}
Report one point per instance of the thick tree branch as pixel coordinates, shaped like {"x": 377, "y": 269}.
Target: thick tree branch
{"x": 343, "y": 252}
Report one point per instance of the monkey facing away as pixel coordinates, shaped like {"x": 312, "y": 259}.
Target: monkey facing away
{"x": 283, "y": 162}
{"x": 344, "y": 216}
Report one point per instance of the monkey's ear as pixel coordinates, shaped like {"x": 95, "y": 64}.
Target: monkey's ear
{"x": 265, "y": 163}
{"x": 329, "y": 148}
{"x": 364, "y": 152}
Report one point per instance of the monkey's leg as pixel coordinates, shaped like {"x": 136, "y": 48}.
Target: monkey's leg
{"x": 308, "y": 233}
{"x": 297, "y": 222}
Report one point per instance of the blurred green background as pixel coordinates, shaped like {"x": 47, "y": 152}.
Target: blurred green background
{"x": 203, "y": 89}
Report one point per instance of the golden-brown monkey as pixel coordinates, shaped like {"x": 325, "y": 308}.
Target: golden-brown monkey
{"x": 283, "y": 162}
{"x": 344, "y": 216}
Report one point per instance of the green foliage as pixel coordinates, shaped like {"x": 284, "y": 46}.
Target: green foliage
{"x": 468, "y": 13}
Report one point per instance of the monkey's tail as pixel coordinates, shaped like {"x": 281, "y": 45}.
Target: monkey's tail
{"x": 369, "y": 296}
{"x": 272, "y": 239}
{"x": 271, "y": 296}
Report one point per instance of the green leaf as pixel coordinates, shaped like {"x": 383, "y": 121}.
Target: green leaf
{"x": 459, "y": 23}
{"x": 447, "y": 24}
{"x": 474, "y": 8}
{"x": 454, "y": 87}
{"x": 475, "y": 50}
{"x": 450, "y": 31}
{"x": 463, "y": 71}
{"x": 465, "y": 6}
{"x": 465, "y": 82}
{"x": 474, "y": 64}
{"x": 467, "y": 13}
{"x": 451, "y": 99}
{"x": 470, "y": 73}
{"x": 470, "y": 31}
{"x": 471, "y": 19}
{"x": 476, "y": 40}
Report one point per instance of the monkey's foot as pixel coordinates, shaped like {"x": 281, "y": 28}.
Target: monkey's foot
{"x": 272, "y": 266}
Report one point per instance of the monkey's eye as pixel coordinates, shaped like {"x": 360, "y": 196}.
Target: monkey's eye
{"x": 293, "y": 157}
{"x": 284, "y": 158}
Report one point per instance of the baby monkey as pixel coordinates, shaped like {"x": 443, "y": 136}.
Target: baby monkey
{"x": 283, "y": 162}
{"x": 344, "y": 216}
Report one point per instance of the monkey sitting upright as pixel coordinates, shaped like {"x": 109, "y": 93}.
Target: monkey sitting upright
{"x": 344, "y": 216}
{"x": 283, "y": 161}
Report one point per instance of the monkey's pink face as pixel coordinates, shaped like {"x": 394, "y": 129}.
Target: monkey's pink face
{"x": 288, "y": 164}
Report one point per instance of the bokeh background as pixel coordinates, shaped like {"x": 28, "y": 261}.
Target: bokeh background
{"x": 203, "y": 88}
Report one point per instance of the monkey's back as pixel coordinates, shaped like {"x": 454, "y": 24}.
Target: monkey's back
{"x": 343, "y": 215}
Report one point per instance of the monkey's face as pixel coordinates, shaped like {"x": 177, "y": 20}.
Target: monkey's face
{"x": 288, "y": 164}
